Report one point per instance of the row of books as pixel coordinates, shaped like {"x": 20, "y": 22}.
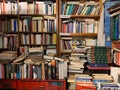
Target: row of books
{"x": 76, "y": 8}
{"x": 71, "y": 44}
{"x": 115, "y": 27}
{"x": 29, "y": 24}
{"x": 46, "y": 70}
{"x": 32, "y": 64}
{"x": 99, "y": 56}
{"x": 9, "y": 42}
{"x": 46, "y": 50}
{"x": 38, "y": 39}
{"x": 9, "y": 25}
{"x": 80, "y": 26}
{"x": 107, "y": 20}
{"x": 37, "y": 7}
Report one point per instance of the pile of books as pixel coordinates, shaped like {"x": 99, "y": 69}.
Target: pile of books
{"x": 109, "y": 86}
{"x": 7, "y": 56}
{"x": 84, "y": 81}
{"x": 99, "y": 56}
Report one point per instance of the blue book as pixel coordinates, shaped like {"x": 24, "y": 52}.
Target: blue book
{"x": 15, "y": 25}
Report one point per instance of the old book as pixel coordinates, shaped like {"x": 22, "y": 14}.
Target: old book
{"x": 20, "y": 58}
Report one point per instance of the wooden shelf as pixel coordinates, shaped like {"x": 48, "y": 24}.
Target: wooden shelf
{"x": 116, "y": 41}
{"x": 5, "y": 16}
{"x": 79, "y": 34}
{"x": 84, "y": 34}
{"x": 38, "y": 32}
{"x": 80, "y": 16}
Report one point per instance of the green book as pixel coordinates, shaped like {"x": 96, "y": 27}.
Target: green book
{"x": 89, "y": 9}
{"x": 67, "y": 9}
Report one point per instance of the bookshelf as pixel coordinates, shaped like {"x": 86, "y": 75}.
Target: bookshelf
{"x": 114, "y": 31}
{"x": 108, "y": 4}
{"x": 25, "y": 25}
{"x": 78, "y": 30}
{"x": 78, "y": 20}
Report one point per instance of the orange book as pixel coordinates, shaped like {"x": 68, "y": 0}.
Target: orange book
{"x": 85, "y": 85}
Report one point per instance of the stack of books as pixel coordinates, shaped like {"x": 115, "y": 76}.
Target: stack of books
{"x": 84, "y": 81}
{"x": 99, "y": 56}
{"x": 110, "y": 86}
{"x": 7, "y": 56}
{"x": 76, "y": 64}
{"x": 101, "y": 78}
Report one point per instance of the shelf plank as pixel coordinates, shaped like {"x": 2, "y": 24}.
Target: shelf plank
{"x": 79, "y": 34}
{"x": 84, "y": 34}
{"x": 80, "y": 16}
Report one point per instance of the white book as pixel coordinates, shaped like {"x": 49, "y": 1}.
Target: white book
{"x": 51, "y": 51}
{"x": 54, "y": 8}
{"x": 48, "y": 57}
{"x": 8, "y": 8}
{"x": 97, "y": 10}
{"x": 59, "y": 59}
{"x": 25, "y": 25}
{"x": 34, "y": 73}
{"x": 20, "y": 26}
{"x": 13, "y": 8}
{"x": 40, "y": 27}
{"x": 65, "y": 69}
{"x": 96, "y": 23}
{"x": 28, "y": 39}
{"x": 2, "y": 9}
{"x": 74, "y": 27}
{"x": 36, "y": 49}
{"x": 115, "y": 72}
{"x": 5, "y": 42}
{"x": 45, "y": 29}
{"x": 16, "y": 8}
{"x": 84, "y": 9}
{"x": 40, "y": 6}
{"x": 38, "y": 38}
{"x": 22, "y": 7}
{"x": 30, "y": 8}
{"x": 32, "y": 38}
{"x": 90, "y": 28}
{"x": 23, "y": 39}
{"x": 25, "y": 71}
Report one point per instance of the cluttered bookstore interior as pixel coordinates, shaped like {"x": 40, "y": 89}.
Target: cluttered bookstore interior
{"x": 59, "y": 45}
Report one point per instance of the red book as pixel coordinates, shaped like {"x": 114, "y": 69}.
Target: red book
{"x": 85, "y": 85}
